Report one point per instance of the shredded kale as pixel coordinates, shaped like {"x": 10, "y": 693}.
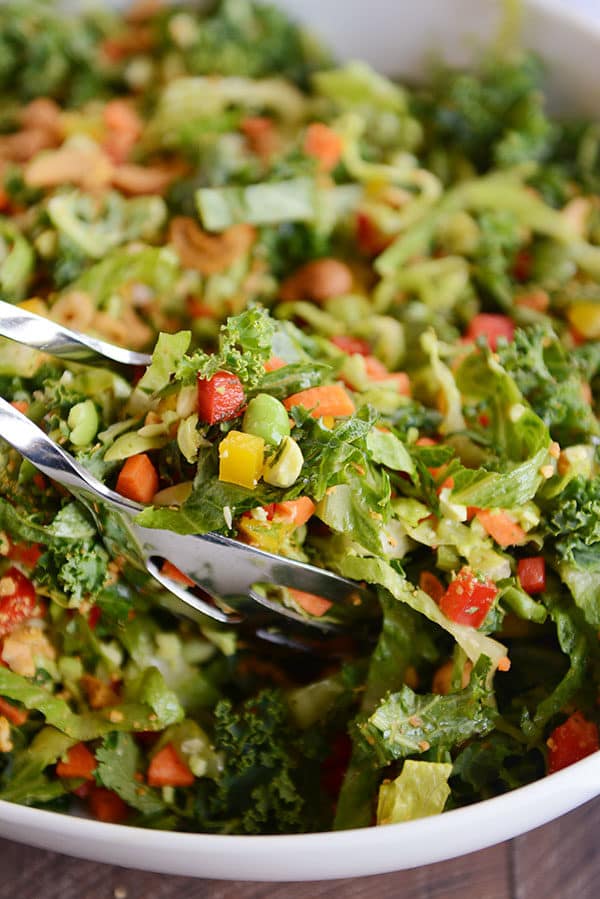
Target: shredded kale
{"x": 258, "y": 788}
{"x": 244, "y": 346}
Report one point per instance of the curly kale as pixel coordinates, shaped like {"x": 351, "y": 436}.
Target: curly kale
{"x": 495, "y": 254}
{"x": 45, "y": 54}
{"x": 244, "y": 346}
{"x": 244, "y": 38}
{"x": 494, "y": 117}
{"x": 574, "y": 519}
{"x": 546, "y": 376}
{"x": 258, "y": 790}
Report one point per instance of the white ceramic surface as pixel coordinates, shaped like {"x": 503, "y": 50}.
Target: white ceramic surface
{"x": 397, "y": 36}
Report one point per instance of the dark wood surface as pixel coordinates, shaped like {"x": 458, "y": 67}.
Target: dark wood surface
{"x": 558, "y": 861}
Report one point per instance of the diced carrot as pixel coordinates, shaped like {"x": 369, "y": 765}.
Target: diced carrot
{"x": 324, "y": 144}
{"x": 296, "y": 511}
{"x": 124, "y": 128}
{"x": 351, "y": 345}
{"x": 171, "y": 571}
{"x": 107, "y": 806}
{"x": 197, "y": 309}
{"x": 425, "y": 441}
{"x": 119, "y": 115}
{"x": 138, "y": 479}
{"x": 431, "y": 585}
{"x": 80, "y": 763}
{"x": 14, "y": 714}
{"x": 20, "y": 406}
{"x": 167, "y": 769}
{"x": 274, "y": 363}
{"x": 375, "y": 369}
{"x": 501, "y": 527}
{"x": 401, "y": 381}
{"x": 538, "y": 300}
{"x": 330, "y": 399}
{"x": 314, "y": 605}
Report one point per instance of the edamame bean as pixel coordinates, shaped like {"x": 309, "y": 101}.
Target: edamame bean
{"x": 83, "y": 422}
{"x": 266, "y": 417}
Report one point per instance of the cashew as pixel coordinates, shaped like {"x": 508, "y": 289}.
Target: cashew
{"x": 75, "y": 309}
{"x": 209, "y": 253}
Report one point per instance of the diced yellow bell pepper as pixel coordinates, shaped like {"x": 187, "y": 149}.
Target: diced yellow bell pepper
{"x": 585, "y": 318}
{"x": 34, "y": 304}
{"x": 241, "y": 459}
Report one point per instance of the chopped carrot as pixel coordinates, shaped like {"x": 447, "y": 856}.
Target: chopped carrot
{"x": 105, "y": 805}
{"x": 314, "y": 605}
{"x": 274, "y": 363}
{"x": 171, "y": 571}
{"x": 425, "y": 441}
{"x": 297, "y": 511}
{"x": 167, "y": 769}
{"x": 324, "y": 144}
{"x": 431, "y": 585}
{"x": 138, "y": 479}
{"x": 501, "y": 527}
{"x": 124, "y": 128}
{"x": 538, "y": 300}
{"x": 331, "y": 399}
{"x": 375, "y": 369}
{"x": 401, "y": 381}
{"x": 80, "y": 763}
{"x": 20, "y": 406}
{"x": 14, "y": 714}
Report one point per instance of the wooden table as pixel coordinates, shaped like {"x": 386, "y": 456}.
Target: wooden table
{"x": 558, "y": 861}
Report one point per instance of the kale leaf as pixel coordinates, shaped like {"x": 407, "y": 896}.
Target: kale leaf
{"x": 258, "y": 789}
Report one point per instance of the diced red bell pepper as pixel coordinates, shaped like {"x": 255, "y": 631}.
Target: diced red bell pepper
{"x": 26, "y": 554}
{"x": 532, "y": 574}
{"x": 80, "y": 762}
{"x": 571, "y": 741}
{"x": 370, "y": 239}
{"x": 491, "y": 326}
{"x": 94, "y": 616}
{"x": 220, "y": 398}
{"x": 351, "y": 345}
{"x": 105, "y": 805}
{"x": 333, "y": 768}
{"x": 17, "y": 600}
{"x": 522, "y": 265}
{"x": 468, "y": 598}
{"x": 431, "y": 585}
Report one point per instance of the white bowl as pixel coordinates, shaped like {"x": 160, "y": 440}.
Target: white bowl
{"x": 398, "y": 36}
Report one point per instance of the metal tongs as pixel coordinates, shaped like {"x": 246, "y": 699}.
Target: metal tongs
{"x": 225, "y": 570}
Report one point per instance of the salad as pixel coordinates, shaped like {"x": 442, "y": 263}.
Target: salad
{"x": 374, "y": 312}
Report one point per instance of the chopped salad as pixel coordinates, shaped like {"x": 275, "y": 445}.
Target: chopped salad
{"x": 374, "y": 311}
